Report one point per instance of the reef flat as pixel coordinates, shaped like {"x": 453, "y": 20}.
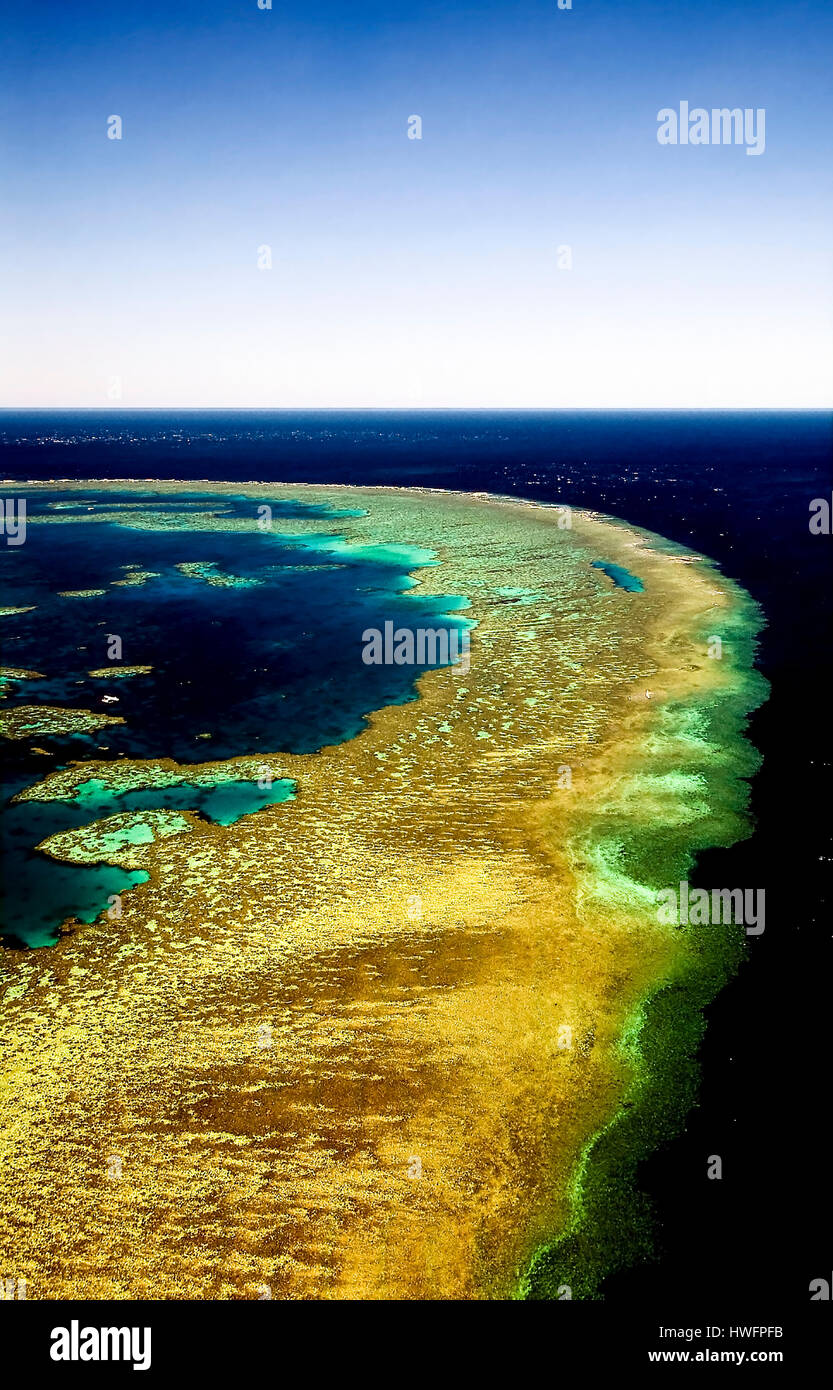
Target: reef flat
{"x": 366, "y": 1043}
{"x": 119, "y": 839}
{"x": 12, "y": 675}
{"x": 82, "y": 593}
{"x": 211, "y": 575}
{"x": 135, "y": 577}
{"x": 102, "y": 673}
{"x": 21, "y": 721}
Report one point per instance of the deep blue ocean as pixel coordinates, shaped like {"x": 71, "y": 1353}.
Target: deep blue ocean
{"x": 736, "y": 486}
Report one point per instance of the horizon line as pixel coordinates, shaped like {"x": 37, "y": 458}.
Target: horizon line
{"x": 429, "y": 409}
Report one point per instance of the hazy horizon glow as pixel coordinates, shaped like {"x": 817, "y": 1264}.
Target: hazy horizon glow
{"x": 414, "y": 273}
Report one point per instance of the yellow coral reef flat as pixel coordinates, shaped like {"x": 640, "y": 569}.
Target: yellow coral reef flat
{"x": 353, "y": 1046}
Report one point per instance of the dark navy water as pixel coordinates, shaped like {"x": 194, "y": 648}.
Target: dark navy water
{"x": 738, "y": 487}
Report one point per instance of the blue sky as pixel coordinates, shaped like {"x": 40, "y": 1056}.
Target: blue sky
{"x": 414, "y": 272}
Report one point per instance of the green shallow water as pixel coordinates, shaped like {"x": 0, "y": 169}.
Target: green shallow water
{"x": 694, "y": 797}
